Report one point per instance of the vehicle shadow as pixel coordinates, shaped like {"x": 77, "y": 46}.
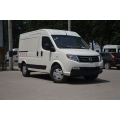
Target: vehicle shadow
{"x": 81, "y": 80}
{"x": 71, "y": 80}
{"x": 41, "y": 76}
{"x": 113, "y": 68}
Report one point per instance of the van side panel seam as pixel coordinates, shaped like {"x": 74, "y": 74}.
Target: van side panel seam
{"x": 43, "y": 67}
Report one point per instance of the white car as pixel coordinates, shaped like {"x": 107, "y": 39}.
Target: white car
{"x": 59, "y": 53}
{"x": 15, "y": 55}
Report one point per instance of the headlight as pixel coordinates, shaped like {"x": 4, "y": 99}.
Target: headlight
{"x": 100, "y": 58}
{"x": 73, "y": 57}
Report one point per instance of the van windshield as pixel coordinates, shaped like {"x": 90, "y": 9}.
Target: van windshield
{"x": 65, "y": 41}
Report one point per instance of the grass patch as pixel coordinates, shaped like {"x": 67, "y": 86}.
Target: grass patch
{"x": 16, "y": 69}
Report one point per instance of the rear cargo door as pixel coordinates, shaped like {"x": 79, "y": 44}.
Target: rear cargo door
{"x": 32, "y": 53}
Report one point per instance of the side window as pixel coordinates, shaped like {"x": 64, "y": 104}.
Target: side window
{"x": 112, "y": 50}
{"x": 46, "y": 40}
{"x": 106, "y": 50}
{"x": 109, "y": 50}
{"x": 14, "y": 52}
{"x": 103, "y": 55}
{"x": 118, "y": 50}
{"x": 7, "y": 53}
{"x": 107, "y": 55}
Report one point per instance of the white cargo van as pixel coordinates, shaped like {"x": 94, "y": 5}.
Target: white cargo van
{"x": 111, "y": 48}
{"x": 59, "y": 53}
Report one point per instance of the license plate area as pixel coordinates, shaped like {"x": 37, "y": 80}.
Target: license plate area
{"x": 90, "y": 68}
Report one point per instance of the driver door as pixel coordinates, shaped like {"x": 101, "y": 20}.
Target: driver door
{"x": 45, "y": 55}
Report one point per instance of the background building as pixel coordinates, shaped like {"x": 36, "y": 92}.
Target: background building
{"x": 1, "y": 34}
{"x": 96, "y": 46}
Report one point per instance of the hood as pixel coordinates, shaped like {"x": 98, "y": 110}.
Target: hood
{"x": 81, "y": 52}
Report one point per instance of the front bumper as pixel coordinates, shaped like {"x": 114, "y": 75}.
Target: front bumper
{"x": 114, "y": 64}
{"x": 84, "y": 71}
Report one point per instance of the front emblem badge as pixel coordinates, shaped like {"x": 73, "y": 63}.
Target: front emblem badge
{"x": 90, "y": 59}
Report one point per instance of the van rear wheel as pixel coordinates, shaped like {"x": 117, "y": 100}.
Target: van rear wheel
{"x": 91, "y": 77}
{"x": 57, "y": 74}
{"x": 25, "y": 71}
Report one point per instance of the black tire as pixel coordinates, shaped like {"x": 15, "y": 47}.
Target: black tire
{"x": 118, "y": 68}
{"x": 91, "y": 77}
{"x": 6, "y": 60}
{"x": 57, "y": 75}
{"x": 25, "y": 71}
{"x": 107, "y": 65}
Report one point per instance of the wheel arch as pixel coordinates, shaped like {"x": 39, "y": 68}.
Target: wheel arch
{"x": 22, "y": 62}
{"x": 57, "y": 62}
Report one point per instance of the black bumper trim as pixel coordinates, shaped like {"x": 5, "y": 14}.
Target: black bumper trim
{"x": 43, "y": 67}
{"x": 84, "y": 71}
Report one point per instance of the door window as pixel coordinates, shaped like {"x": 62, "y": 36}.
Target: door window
{"x": 109, "y": 50}
{"x": 118, "y": 50}
{"x": 46, "y": 40}
{"x": 14, "y": 52}
{"x": 105, "y": 54}
{"x": 108, "y": 55}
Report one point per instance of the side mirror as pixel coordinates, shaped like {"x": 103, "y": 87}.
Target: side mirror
{"x": 47, "y": 47}
{"x": 52, "y": 49}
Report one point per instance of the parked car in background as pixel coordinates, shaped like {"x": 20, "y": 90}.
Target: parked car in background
{"x": 15, "y": 55}
{"x": 111, "y": 48}
{"x": 111, "y": 60}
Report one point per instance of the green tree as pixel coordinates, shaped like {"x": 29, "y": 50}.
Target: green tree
{"x": 101, "y": 31}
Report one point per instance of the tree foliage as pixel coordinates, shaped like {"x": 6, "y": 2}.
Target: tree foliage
{"x": 101, "y": 31}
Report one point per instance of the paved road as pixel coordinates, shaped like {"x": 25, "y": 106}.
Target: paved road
{"x": 13, "y": 86}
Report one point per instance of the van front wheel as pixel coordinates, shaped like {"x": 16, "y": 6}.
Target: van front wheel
{"x": 25, "y": 71}
{"x": 57, "y": 74}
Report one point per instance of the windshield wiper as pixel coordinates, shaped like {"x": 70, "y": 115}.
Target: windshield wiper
{"x": 73, "y": 47}
{"x": 80, "y": 47}
{"x": 67, "y": 46}
{"x": 77, "y": 47}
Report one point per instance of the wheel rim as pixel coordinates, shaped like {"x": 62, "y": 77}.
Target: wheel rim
{"x": 24, "y": 70}
{"x": 107, "y": 65}
{"x": 58, "y": 74}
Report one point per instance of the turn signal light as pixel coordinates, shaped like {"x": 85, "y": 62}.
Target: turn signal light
{"x": 113, "y": 58}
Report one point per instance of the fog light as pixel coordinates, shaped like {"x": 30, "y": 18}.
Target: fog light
{"x": 76, "y": 68}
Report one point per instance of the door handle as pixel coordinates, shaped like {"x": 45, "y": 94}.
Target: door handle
{"x": 37, "y": 53}
{"x": 41, "y": 53}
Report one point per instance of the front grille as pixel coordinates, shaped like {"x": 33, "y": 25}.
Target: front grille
{"x": 88, "y": 58}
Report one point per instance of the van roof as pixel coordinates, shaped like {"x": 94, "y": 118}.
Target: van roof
{"x": 111, "y": 46}
{"x": 51, "y": 32}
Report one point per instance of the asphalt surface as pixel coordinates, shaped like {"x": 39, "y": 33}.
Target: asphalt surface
{"x": 13, "y": 86}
